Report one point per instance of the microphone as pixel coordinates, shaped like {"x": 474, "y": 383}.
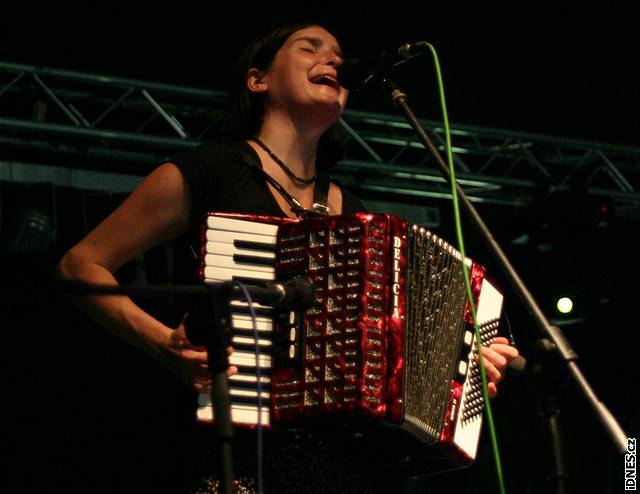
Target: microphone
{"x": 357, "y": 72}
{"x": 517, "y": 367}
{"x": 296, "y": 294}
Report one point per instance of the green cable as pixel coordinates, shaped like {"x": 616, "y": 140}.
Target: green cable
{"x": 465, "y": 269}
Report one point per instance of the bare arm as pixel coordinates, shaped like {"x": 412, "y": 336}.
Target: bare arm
{"x": 155, "y": 212}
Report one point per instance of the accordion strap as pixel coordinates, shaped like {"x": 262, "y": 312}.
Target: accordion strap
{"x": 321, "y": 193}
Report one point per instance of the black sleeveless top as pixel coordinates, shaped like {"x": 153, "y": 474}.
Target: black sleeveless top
{"x": 227, "y": 178}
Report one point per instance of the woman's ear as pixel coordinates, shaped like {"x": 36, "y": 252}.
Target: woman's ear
{"x": 256, "y": 81}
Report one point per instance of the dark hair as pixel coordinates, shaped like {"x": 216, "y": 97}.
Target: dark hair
{"x": 246, "y": 110}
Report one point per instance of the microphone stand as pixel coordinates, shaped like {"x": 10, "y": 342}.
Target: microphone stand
{"x": 209, "y": 325}
{"x": 542, "y": 372}
{"x": 210, "y": 329}
{"x": 552, "y": 333}
{"x": 215, "y": 336}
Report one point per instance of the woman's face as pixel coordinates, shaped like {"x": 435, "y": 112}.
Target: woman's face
{"x": 303, "y": 75}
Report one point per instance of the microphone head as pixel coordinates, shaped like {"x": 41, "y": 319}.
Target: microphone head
{"x": 410, "y": 50}
{"x": 355, "y": 73}
{"x": 300, "y": 294}
{"x": 517, "y": 366}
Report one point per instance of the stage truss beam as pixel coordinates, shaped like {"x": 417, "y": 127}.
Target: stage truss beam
{"x": 98, "y": 119}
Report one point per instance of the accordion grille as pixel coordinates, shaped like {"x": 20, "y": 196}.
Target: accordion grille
{"x": 436, "y": 301}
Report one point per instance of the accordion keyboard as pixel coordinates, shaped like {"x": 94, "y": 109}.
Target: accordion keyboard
{"x": 234, "y": 255}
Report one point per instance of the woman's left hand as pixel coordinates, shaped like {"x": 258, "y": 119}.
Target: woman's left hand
{"x": 496, "y": 357}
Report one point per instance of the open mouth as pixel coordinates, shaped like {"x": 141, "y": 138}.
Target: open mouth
{"x": 326, "y": 80}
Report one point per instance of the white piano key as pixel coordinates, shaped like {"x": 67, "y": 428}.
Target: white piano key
{"x": 225, "y": 274}
{"x": 230, "y": 237}
{"x": 235, "y": 225}
{"x": 222, "y": 261}
{"x": 243, "y": 340}
{"x": 249, "y": 359}
{"x": 248, "y": 393}
{"x": 240, "y": 321}
{"x": 240, "y": 414}
{"x": 249, "y": 378}
{"x": 230, "y": 249}
{"x": 244, "y": 305}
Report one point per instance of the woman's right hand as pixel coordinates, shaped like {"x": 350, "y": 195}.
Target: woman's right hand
{"x": 190, "y": 362}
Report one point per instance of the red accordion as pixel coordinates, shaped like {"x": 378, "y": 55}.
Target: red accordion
{"x": 389, "y": 339}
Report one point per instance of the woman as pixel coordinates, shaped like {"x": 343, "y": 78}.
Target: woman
{"x": 286, "y": 101}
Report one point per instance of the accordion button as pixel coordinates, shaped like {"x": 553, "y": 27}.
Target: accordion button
{"x": 468, "y": 338}
{"x": 462, "y": 368}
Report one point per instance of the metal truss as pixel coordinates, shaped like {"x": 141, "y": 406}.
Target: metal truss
{"x": 100, "y": 120}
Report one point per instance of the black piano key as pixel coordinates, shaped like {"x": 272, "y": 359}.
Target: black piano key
{"x": 251, "y": 370}
{"x": 249, "y": 385}
{"x": 249, "y": 245}
{"x": 259, "y": 311}
{"x": 246, "y": 259}
{"x": 251, "y": 347}
{"x": 249, "y": 333}
{"x": 249, "y": 400}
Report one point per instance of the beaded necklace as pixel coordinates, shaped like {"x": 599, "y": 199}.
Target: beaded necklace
{"x": 287, "y": 170}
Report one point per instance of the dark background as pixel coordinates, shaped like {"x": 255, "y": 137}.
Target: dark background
{"x": 567, "y": 69}
{"x": 87, "y": 414}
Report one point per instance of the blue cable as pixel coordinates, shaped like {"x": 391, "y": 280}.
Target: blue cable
{"x": 247, "y": 297}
